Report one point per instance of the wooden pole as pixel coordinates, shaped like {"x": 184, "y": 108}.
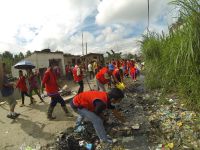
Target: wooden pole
{"x": 86, "y": 47}
{"x": 148, "y": 17}
{"x": 82, "y": 45}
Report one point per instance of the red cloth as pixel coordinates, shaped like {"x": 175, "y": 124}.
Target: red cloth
{"x": 100, "y": 76}
{"x": 133, "y": 72}
{"x": 115, "y": 72}
{"x": 86, "y": 99}
{"x": 50, "y": 82}
{"x": 21, "y": 84}
{"x": 77, "y": 78}
{"x": 33, "y": 82}
{"x": 67, "y": 69}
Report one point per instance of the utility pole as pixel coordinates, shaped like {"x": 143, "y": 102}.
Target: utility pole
{"x": 148, "y": 16}
{"x": 82, "y": 45}
{"x": 86, "y": 47}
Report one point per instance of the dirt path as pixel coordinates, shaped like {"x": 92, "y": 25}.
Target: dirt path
{"x": 132, "y": 135}
{"x": 32, "y": 126}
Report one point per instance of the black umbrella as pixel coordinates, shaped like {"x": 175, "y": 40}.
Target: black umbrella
{"x": 24, "y": 64}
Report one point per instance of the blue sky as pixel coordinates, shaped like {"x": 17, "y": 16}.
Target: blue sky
{"x": 58, "y": 24}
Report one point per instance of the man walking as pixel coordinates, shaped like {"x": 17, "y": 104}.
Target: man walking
{"x": 51, "y": 86}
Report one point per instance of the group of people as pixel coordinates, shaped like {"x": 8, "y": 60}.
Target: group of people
{"x": 91, "y": 104}
{"x": 114, "y": 72}
{"x": 88, "y": 104}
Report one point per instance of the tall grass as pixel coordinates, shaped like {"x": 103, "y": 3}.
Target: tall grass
{"x": 173, "y": 61}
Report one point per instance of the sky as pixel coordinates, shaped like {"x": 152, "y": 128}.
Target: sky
{"x": 59, "y": 24}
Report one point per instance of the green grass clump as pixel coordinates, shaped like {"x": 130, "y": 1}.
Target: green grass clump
{"x": 173, "y": 61}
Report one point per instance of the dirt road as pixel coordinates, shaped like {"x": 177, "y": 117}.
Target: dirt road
{"x": 32, "y": 127}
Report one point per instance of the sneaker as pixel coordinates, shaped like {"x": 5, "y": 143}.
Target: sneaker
{"x": 16, "y": 114}
{"x": 10, "y": 116}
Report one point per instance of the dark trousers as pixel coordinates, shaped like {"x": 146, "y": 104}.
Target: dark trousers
{"x": 36, "y": 92}
{"x": 91, "y": 74}
{"x": 23, "y": 94}
{"x": 80, "y": 90}
{"x": 57, "y": 99}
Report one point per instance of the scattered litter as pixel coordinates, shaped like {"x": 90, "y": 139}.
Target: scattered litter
{"x": 135, "y": 127}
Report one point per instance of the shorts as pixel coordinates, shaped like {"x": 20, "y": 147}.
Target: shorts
{"x": 10, "y": 100}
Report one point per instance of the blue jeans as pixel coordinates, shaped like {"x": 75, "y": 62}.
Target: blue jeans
{"x": 96, "y": 121}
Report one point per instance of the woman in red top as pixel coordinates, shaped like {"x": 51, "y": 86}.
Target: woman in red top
{"x": 21, "y": 84}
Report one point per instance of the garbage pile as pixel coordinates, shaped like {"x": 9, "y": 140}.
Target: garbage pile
{"x": 83, "y": 137}
{"x": 148, "y": 125}
{"x": 175, "y": 126}
{"x": 131, "y": 134}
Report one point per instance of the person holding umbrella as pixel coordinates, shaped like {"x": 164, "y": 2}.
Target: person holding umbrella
{"x": 52, "y": 88}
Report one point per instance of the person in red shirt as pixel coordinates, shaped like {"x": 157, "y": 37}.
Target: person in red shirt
{"x": 67, "y": 72}
{"x": 118, "y": 75}
{"x": 33, "y": 85}
{"x": 133, "y": 72}
{"x": 52, "y": 88}
{"x": 78, "y": 77}
{"x": 21, "y": 84}
{"x": 104, "y": 77}
{"x": 91, "y": 104}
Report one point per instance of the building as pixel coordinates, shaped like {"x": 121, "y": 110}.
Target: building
{"x": 71, "y": 59}
{"x": 42, "y": 59}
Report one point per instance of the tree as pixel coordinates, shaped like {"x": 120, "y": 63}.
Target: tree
{"x": 21, "y": 55}
{"x": 128, "y": 56}
{"x": 113, "y": 55}
{"x": 28, "y": 53}
{"x": 7, "y": 58}
{"x": 7, "y": 55}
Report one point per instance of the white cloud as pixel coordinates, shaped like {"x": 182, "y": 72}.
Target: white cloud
{"x": 127, "y": 11}
{"x": 37, "y": 24}
{"x": 55, "y": 19}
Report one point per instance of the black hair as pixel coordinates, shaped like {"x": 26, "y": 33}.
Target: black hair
{"x": 116, "y": 93}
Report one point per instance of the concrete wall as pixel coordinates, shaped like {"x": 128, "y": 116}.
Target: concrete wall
{"x": 68, "y": 59}
{"x": 41, "y": 60}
